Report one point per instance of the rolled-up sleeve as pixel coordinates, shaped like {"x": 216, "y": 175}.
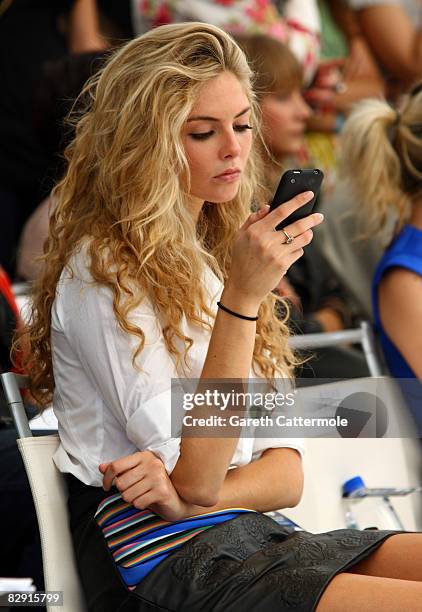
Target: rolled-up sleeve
{"x": 150, "y": 427}
{"x": 262, "y": 444}
{"x": 139, "y": 398}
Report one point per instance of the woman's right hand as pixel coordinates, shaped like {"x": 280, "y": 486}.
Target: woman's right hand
{"x": 260, "y": 255}
{"x": 143, "y": 482}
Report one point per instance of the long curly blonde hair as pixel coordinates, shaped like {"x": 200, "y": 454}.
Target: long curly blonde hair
{"x": 381, "y": 154}
{"x": 123, "y": 190}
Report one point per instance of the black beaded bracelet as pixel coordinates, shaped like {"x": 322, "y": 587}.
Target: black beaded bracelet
{"x": 236, "y": 314}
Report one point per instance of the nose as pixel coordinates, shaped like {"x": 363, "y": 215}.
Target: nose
{"x": 230, "y": 146}
{"x": 303, "y": 110}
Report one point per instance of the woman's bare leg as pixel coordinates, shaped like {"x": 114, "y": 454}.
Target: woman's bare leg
{"x": 356, "y": 592}
{"x": 398, "y": 557}
{"x": 390, "y": 579}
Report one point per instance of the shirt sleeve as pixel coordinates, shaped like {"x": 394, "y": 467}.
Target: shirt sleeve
{"x": 140, "y": 399}
{"x": 262, "y": 444}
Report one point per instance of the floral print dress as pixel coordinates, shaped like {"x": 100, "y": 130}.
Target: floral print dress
{"x": 295, "y": 22}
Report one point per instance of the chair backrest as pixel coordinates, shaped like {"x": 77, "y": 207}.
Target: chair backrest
{"x": 361, "y": 335}
{"x": 50, "y": 498}
{"x": 49, "y": 493}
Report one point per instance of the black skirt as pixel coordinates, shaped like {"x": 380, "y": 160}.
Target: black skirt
{"x": 249, "y": 563}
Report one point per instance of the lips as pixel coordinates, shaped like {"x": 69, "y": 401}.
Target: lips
{"x": 228, "y": 173}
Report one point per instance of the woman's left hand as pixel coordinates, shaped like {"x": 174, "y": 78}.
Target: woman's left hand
{"x": 143, "y": 482}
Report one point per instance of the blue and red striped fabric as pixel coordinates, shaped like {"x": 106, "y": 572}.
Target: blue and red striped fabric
{"x": 139, "y": 539}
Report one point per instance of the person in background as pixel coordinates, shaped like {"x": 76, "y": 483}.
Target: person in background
{"x": 383, "y": 146}
{"x": 60, "y": 84}
{"x": 393, "y": 30}
{"x": 295, "y": 22}
{"x": 31, "y": 33}
{"x": 347, "y": 71}
{"x": 316, "y": 297}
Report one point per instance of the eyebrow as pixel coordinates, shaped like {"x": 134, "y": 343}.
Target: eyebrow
{"x": 205, "y": 118}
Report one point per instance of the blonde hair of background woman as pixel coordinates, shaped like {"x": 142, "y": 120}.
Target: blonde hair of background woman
{"x": 123, "y": 189}
{"x": 381, "y": 153}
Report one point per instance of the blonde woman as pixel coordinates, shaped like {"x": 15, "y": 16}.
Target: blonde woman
{"x": 152, "y": 229}
{"x": 383, "y": 146}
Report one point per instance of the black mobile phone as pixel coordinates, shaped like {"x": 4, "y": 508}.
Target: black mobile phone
{"x": 291, "y": 184}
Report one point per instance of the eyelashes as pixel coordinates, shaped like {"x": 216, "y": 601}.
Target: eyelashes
{"x": 205, "y": 135}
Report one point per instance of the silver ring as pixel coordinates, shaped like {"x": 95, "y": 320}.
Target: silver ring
{"x": 289, "y": 239}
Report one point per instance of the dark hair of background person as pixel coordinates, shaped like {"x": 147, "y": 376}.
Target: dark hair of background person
{"x": 60, "y": 83}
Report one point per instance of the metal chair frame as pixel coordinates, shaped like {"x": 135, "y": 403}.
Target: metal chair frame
{"x": 363, "y": 335}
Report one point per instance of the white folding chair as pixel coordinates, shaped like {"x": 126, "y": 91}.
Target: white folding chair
{"x": 362, "y": 335}
{"x": 49, "y": 493}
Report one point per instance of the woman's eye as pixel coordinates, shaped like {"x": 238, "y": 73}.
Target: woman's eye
{"x": 205, "y": 135}
{"x": 242, "y": 128}
{"x": 201, "y": 135}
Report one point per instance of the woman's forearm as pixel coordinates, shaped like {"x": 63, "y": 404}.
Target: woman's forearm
{"x": 197, "y": 478}
{"x": 259, "y": 259}
{"x": 394, "y": 40}
{"x": 345, "y": 18}
{"x": 273, "y": 482}
{"x": 84, "y": 34}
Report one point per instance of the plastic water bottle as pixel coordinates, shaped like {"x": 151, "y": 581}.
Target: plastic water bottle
{"x": 283, "y": 520}
{"x": 371, "y": 508}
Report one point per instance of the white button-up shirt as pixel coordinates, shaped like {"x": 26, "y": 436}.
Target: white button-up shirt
{"x": 106, "y": 408}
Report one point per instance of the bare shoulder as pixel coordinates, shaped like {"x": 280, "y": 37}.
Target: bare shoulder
{"x": 400, "y": 306}
{"x": 399, "y": 284}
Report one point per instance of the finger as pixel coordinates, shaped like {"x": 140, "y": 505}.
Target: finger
{"x": 137, "y": 490}
{"x": 130, "y": 477}
{"x": 289, "y": 259}
{"x": 108, "y": 478}
{"x": 299, "y": 242}
{"x": 299, "y": 227}
{"x": 256, "y": 216}
{"x": 146, "y": 500}
{"x": 119, "y": 466}
{"x": 296, "y": 255}
{"x": 102, "y": 467}
{"x": 302, "y": 240}
{"x": 283, "y": 211}
{"x": 293, "y": 257}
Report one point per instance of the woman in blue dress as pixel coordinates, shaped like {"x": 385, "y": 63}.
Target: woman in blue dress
{"x": 382, "y": 152}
